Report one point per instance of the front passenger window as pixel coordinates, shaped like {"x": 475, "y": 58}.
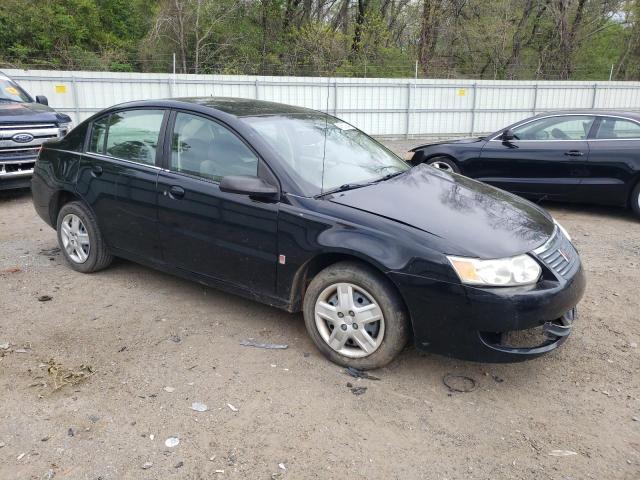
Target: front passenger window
{"x": 204, "y": 148}
{"x": 570, "y": 127}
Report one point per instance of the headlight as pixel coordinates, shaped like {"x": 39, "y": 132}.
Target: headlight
{"x": 504, "y": 272}
{"x": 65, "y": 128}
{"x": 562, "y": 229}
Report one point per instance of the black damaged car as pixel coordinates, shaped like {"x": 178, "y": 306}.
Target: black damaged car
{"x": 572, "y": 156}
{"x": 302, "y": 211}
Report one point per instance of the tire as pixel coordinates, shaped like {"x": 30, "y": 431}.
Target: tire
{"x": 444, "y": 163}
{"x": 368, "y": 287}
{"x": 81, "y": 256}
{"x": 635, "y": 200}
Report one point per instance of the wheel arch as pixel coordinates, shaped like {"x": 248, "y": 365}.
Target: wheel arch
{"x": 633, "y": 185}
{"x": 60, "y": 199}
{"x": 307, "y": 271}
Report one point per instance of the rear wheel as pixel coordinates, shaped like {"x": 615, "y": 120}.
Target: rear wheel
{"x": 355, "y": 316}
{"x": 80, "y": 239}
{"x": 444, "y": 163}
{"x": 635, "y": 200}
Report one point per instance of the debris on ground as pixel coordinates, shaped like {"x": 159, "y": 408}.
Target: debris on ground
{"x": 169, "y": 389}
{"x": 180, "y": 464}
{"x": 71, "y": 432}
{"x": 356, "y": 373}
{"x": 45, "y": 298}
{"x": 21, "y": 456}
{"x": 2, "y": 444}
{"x": 12, "y": 270}
{"x": 122, "y": 349}
{"x": 147, "y": 465}
{"x": 63, "y": 376}
{"x": 5, "y": 346}
{"x": 171, "y": 442}
{"x": 94, "y": 418}
{"x": 306, "y": 354}
{"x": 50, "y": 252}
{"x": 562, "y": 453}
{"x": 459, "y": 383}
{"x": 281, "y": 466}
{"x": 233, "y": 409}
{"x": 49, "y": 475}
{"x": 271, "y": 346}
{"x": 199, "y": 407}
{"x": 175, "y": 338}
{"x": 358, "y": 390}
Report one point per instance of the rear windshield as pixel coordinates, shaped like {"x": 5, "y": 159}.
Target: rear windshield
{"x": 11, "y": 92}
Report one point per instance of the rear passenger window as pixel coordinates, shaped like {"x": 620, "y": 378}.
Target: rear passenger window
{"x": 206, "y": 149}
{"x": 133, "y": 135}
{"x": 611, "y": 128}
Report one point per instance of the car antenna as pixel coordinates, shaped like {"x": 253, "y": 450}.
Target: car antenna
{"x": 324, "y": 146}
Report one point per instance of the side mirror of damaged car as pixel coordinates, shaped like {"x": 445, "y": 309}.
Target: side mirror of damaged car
{"x": 507, "y": 135}
{"x": 249, "y": 185}
{"x": 42, "y": 100}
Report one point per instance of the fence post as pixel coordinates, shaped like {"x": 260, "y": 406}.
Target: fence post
{"x": 335, "y": 97}
{"x": 74, "y": 90}
{"x": 595, "y": 93}
{"x": 473, "y": 108}
{"x": 170, "y": 83}
{"x": 535, "y": 99}
{"x": 257, "y": 93}
{"x": 408, "y": 112}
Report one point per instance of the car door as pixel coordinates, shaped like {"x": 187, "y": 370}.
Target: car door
{"x": 118, "y": 175}
{"x": 614, "y": 159}
{"x": 548, "y": 157}
{"x": 224, "y": 236}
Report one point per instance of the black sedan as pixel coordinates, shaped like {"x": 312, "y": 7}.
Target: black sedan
{"x": 577, "y": 156}
{"x": 302, "y": 211}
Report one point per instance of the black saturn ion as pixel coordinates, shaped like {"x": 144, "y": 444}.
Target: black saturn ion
{"x": 302, "y": 211}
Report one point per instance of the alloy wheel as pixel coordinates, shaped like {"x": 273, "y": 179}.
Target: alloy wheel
{"x": 349, "y": 320}
{"x": 75, "y": 238}
{"x": 442, "y": 166}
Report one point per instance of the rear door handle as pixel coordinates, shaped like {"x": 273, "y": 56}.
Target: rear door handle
{"x": 96, "y": 170}
{"x": 176, "y": 192}
{"x": 574, "y": 153}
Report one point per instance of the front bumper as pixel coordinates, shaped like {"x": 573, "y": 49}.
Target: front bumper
{"x": 473, "y": 323}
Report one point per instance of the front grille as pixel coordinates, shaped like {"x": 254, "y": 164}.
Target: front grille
{"x": 558, "y": 253}
{"x": 40, "y": 133}
{"x": 18, "y": 153}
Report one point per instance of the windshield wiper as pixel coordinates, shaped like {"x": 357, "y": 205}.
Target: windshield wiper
{"x": 388, "y": 176}
{"x": 344, "y": 188}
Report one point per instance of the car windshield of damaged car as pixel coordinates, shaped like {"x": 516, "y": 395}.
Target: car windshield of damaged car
{"x": 11, "y": 92}
{"x": 325, "y": 154}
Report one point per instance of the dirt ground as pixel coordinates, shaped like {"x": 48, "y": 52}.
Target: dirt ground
{"x": 93, "y": 381}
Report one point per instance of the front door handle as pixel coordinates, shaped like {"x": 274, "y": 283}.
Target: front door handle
{"x": 574, "y": 153}
{"x": 176, "y": 192}
{"x": 96, "y": 170}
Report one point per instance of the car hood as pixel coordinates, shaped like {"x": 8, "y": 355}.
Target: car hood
{"x": 473, "y": 219}
{"x": 453, "y": 141}
{"x": 29, "y": 113}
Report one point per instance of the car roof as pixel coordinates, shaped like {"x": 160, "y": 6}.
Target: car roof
{"x": 612, "y": 113}
{"x": 235, "y": 107}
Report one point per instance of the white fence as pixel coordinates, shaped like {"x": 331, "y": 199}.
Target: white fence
{"x": 379, "y": 106}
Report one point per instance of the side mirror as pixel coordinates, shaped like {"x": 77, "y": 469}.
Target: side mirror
{"x": 248, "y": 185}
{"x": 42, "y": 99}
{"x": 507, "y": 135}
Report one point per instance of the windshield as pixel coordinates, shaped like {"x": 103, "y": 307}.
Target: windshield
{"x": 11, "y": 92}
{"x": 325, "y": 153}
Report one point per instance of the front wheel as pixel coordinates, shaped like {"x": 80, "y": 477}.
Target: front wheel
{"x": 444, "y": 163}
{"x": 355, "y": 316}
{"x": 635, "y": 200}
